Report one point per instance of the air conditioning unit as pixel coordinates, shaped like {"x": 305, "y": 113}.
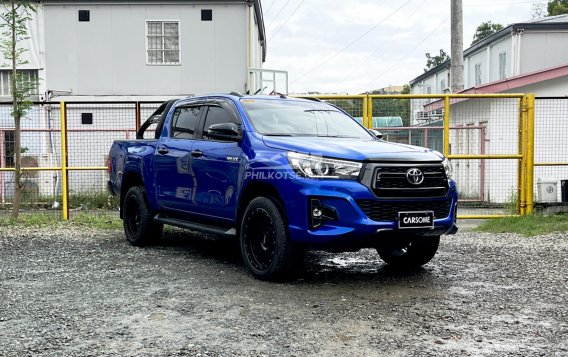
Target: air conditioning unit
{"x": 38, "y": 183}
{"x": 420, "y": 115}
{"x": 437, "y": 114}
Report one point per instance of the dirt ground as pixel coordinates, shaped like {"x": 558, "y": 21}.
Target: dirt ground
{"x": 81, "y": 292}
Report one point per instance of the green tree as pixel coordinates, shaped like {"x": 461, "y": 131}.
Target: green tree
{"x": 484, "y": 30}
{"x": 557, "y": 7}
{"x": 393, "y": 107}
{"x": 14, "y": 18}
{"x": 435, "y": 61}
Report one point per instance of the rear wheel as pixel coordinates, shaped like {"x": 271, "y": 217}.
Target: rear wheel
{"x": 408, "y": 252}
{"x": 139, "y": 226}
{"x": 265, "y": 245}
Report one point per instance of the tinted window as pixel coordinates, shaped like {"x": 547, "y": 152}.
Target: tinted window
{"x": 184, "y": 122}
{"x": 301, "y": 118}
{"x": 216, "y": 115}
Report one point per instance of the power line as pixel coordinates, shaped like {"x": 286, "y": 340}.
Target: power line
{"x": 352, "y": 42}
{"x": 286, "y": 21}
{"x": 278, "y": 13}
{"x": 401, "y": 59}
{"x": 270, "y": 7}
{"x": 359, "y": 65}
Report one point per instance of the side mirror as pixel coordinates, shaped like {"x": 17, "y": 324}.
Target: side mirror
{"x": 376, "y": 133}
{"x": 224, "y": 131}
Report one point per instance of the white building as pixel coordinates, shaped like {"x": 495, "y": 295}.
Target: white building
{"x": 529, "y": 57}
{"x": 143, "y": 48}
{"x": 126, "y": 51}
{"x": 517, "y": 50}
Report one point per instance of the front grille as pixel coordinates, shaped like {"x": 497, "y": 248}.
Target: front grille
{"x": 391, "y": 181}
{"x": 388, "y": 211}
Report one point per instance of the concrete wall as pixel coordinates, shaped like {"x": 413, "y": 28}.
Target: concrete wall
{"x": 107, "y": 55}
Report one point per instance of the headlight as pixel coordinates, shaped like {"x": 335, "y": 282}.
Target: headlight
{"x": 320, "y": 167}
{"x": 447, "y": 168}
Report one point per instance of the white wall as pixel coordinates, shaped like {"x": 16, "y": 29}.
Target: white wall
{"x": 541, "y": 50}
{"x": 107, "y": 56}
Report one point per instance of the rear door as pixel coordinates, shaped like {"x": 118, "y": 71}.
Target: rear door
{"x": 175, "y": 182}
{"x": 216, "y": 164}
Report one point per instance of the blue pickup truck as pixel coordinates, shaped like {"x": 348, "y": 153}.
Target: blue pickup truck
{"x": 282, "y": 175}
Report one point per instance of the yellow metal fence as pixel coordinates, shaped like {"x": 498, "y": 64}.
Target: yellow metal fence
{"x": 488, "y": 137}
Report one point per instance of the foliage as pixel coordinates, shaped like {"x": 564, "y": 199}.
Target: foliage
{"x": 93, "y": 200}
{"x": 435, "y": 61}
{"x": 538, "y": 10}
{"x": 393, "y": 107}
{"x": 485, "y": 29}
{"x": 14, "y": 18}
{"x": 528, "y": 226}
{"x": 557, "y": 7}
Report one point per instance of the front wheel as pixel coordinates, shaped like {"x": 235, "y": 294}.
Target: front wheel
{"x": 139, "y": 226}
{"x": 265, "y": 245}
{"x": 408, "y": 252}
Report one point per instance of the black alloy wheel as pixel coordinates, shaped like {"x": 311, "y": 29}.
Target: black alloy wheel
{"x": 265, "y": 245}
{"x": 139, "y": 226}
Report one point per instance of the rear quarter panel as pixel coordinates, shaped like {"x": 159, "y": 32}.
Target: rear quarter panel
{"x": 133, "y": 157}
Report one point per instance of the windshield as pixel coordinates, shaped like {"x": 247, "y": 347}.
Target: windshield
{"x": 299, "y": 118}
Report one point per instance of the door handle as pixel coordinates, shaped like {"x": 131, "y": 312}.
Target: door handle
{"x": 163, "y": 151}
{"x": 197, "y": 153}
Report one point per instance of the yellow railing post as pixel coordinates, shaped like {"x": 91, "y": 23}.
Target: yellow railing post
{"x": 64, "y": 182}
{"x": 364, "y": 114}
{"x": 446, "y": 125}
{"x": 530, "y": 154}
{"x": 520, "y": 167}
{"x": 370, "y": 112}
{"x": 523, "y": 167}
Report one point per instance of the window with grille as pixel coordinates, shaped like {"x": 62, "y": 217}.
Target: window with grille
{"x": 9, "y": 149}
{"x": 478, "y": 74}
{"x": 502, "y": 65}
{"x": 162, "y": 42}
{"x": 27, "y": 77}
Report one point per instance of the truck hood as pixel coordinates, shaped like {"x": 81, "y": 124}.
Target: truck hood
{"x": 352, "y": 149}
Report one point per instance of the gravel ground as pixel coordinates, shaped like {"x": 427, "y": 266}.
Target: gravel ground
{"x": 82, "y": 292}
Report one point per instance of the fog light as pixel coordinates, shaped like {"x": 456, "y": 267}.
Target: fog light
{"x": 317, "y": 213}
{"x": 320, "y": 213}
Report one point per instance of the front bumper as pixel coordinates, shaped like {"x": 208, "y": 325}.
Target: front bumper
{"x": 351, "y": 226}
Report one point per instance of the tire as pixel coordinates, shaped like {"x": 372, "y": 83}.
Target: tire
{"x": 409, "y": 252}
{"x": 139, "y": 226}
{"x": 265, "y": 245}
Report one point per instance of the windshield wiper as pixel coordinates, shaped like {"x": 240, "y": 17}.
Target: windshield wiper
{"x": 320, "y": 110}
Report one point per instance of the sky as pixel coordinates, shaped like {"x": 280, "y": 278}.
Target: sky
{"x": 353, "y": 46}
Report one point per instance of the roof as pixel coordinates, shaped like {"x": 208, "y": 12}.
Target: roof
{"x": 519, "y": 81}
{"x": 256, "y": 3}
{"x": 559, "y": 22}
{"x": 509, "y": 83}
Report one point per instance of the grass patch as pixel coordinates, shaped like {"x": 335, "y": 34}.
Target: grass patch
{"x": 528, "y": 226}
{"x": 98, "y": 221}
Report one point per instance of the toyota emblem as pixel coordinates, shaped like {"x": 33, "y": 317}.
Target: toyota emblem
{"x": 415, "y": 176}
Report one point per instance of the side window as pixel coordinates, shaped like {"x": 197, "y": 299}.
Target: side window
{"x": 184, "y": 121}
{"x": 216, "y": 115}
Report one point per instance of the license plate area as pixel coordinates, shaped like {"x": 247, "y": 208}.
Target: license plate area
{"x": 416, "y": 219}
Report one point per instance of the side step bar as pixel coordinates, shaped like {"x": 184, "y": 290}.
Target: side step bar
{"x": 231, "y": 232}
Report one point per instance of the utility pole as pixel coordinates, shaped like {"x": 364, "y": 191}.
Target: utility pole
{"x": 456, "y": 67}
